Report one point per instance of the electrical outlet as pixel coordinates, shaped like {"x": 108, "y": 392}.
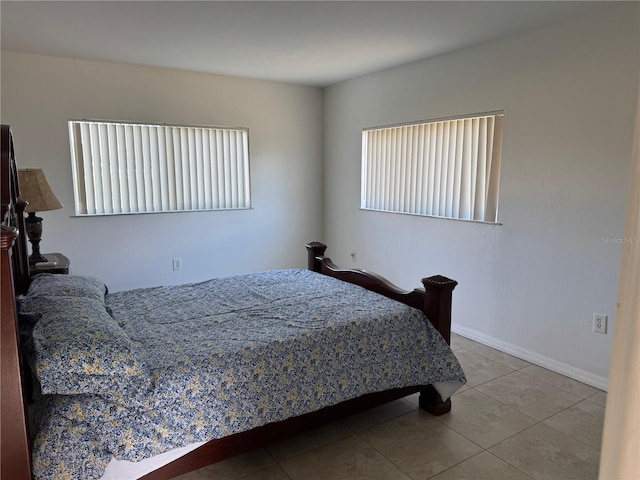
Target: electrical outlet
{"x": 599, "y": 323}
{"x": 177, "y": 264}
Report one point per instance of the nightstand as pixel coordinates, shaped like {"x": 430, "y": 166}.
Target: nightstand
{"x": 62, "y": 264}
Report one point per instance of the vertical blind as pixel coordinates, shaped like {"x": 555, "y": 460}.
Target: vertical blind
{"x": 444, "y": 168}
{"x": 121, "y": 168}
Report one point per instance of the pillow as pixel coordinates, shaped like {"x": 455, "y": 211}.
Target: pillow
{"x": 50, "y": 284}
{"x": 79, "y": 348}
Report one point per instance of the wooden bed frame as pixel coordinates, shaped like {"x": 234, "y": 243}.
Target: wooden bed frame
{"x": 434, "y": 299}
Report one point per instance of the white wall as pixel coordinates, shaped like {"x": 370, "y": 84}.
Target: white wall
{"x": 40, "y": 94}
{"x": 531, "y": 285}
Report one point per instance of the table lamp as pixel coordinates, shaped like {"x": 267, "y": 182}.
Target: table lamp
{"x": 35, "y": 189}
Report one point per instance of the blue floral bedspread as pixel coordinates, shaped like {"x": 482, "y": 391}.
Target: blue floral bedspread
{"x": 227, "y": 355}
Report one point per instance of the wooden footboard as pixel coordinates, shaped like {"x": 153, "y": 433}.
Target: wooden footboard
{"x": 434, "y": 299}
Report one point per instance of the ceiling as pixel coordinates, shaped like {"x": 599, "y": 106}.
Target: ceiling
{"x": 306, "y": 42}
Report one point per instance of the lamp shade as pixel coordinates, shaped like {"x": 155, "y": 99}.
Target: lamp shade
{"x": 35, "y": 189}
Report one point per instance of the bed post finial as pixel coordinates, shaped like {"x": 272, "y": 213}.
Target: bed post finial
{"x": 437, "y": 303}
{"x": 314, "y": 249}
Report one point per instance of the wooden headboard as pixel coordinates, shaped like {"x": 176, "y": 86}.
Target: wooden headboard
{"x": 15, "y": 459}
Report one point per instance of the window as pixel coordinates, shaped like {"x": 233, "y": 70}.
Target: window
{"x": 445, "y": 168}
{"x": 121, "y": 168}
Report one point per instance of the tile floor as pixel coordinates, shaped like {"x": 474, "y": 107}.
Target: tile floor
{"x": 512, "y": 421}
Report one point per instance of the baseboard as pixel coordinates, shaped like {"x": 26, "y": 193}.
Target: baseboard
{"x": 533, "y": 357}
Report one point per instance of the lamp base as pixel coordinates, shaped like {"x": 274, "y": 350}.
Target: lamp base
{"x": 36, "y": 258}
{"x": 33, "y": 226}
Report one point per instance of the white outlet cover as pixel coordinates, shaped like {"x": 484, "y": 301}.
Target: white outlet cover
{"x": 599, "y": 323}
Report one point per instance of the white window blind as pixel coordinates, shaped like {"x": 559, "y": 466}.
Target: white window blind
{"x": 121, "y": 168}
{"x": 445, "y": 168}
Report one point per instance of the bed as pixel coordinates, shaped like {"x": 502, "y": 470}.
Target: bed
{"x": 165, "y": 380}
